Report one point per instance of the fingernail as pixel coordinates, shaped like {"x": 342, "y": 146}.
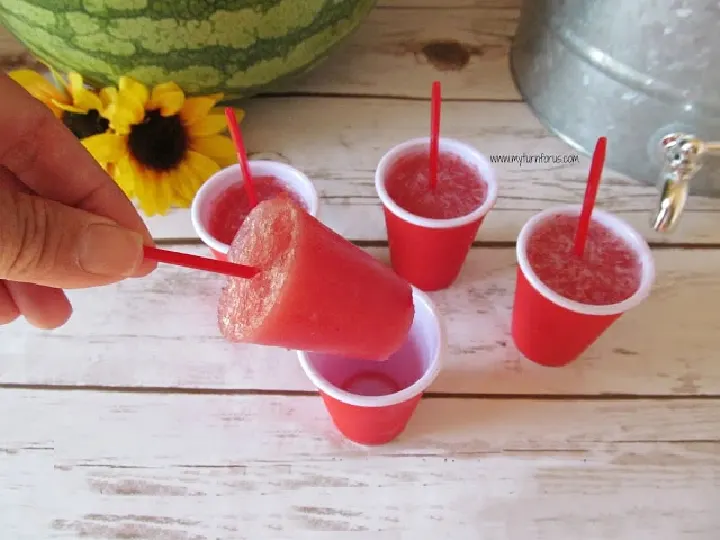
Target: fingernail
{"x": 146, "y": 267}
{"x": 108, "y": 250}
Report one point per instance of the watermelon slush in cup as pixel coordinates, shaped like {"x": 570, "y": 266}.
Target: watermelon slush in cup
{"x": 221, "y": 204}
{"x": 564, "y": 303}
{"x": 430, "y": 232}
{"x": 371, "y": 403}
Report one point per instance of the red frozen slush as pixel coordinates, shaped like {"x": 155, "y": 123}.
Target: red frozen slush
{"x": 430, "y": 230}
{"x": 232, "y": 206}
{"x": 609, "y": 272}
{"x": 563, "y": 303}
{"x": 316, "y": 291}
{"x": 460, "y": 188}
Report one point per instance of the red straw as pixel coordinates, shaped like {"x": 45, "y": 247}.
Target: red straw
{"x": 199, "y": 263}
{"x": 596, "y": 168}
{"x": 237, "y": 138}
{"x": 434, "y": 133}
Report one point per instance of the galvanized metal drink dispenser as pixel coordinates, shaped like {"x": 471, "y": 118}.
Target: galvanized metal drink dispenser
{"x": 646, "y": 74}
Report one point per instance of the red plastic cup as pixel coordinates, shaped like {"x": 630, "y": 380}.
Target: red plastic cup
{"x": 203, "y": 203}
{"x": 429, "y": 253}
{"x": 552, "y": 330}
{"x": 371, "y": 403}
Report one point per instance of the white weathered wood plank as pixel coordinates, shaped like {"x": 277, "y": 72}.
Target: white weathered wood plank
{"x": 349, "y": 136}
{"x": 401, "y": 49}
{"x": 161, "y": 331}
{"x": 389, "y": 54}
{"x": 179, "y": 467}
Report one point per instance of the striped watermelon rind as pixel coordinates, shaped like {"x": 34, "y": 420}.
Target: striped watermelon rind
{"x": 238, "y": 47}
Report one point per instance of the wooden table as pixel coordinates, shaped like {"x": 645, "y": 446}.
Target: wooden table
{"x": 137, "y": 420}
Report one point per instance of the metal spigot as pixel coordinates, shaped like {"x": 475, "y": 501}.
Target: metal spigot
{"x": 682, "y": 154}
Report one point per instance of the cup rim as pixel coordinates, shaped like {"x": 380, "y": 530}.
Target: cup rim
{"x": 415, "y": 389}
{"x": 282, "y": 171}
{"x": 453, "y": 146}
{"x": 620, "y": 227}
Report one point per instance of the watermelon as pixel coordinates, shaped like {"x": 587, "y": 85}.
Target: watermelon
{"x": 238, "y": 47}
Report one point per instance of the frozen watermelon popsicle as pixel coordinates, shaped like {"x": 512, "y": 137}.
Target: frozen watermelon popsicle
{"x": 316, "y": 291}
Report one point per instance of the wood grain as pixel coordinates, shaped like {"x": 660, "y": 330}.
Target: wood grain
{"x": 399, "y": 50}
{"x": 161, "y": 331}
{"x": 350, "y": 136}
{"x": 403, "y": 46}
{"x": 170, "y": 467}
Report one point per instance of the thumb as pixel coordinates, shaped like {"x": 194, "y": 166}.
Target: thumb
{"x": 48, "y": 243}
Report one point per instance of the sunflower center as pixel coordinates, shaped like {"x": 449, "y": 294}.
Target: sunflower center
{"x": 159, "y": 142}
{"x": 85, "y": 125}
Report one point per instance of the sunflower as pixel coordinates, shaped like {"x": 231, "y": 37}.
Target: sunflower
{"x": 163, "y": 145}
{"x": 80, "y": 109}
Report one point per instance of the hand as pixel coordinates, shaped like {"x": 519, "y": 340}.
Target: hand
{"x": 64, "y": 223}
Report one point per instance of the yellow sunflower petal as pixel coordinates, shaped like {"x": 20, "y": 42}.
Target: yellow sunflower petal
{"x": 87, "y": 100}
{"x": 143, "y": 188}
{"x": 124, "y": 112}
{"x": 82, "y": 97}
{"x": 183, "y": 187}
{"x": 180, "y": 202}
{"x": 145, "y": 198}
{"x": 107, "y": 96}
{"x": 196, "y": 108}
{"x": 217, "y": 147}
{"x": 210, "y": 125}
{"x": 68, "y": 108}
{"x": 168, "y": 97}
{"x": 161, "y": 188}
{"x": 134, "y": 89}
{"x": 124, "y": 176}
{"x": 152, "y": 190}
{"x": 41, "y": 89}
{"x": 37, "y": 85}
{"x": 106, "y": 147}
{"x": 203, "y": 168}
{"x": 164, "y": 191}
{"x": 126, "y": 107}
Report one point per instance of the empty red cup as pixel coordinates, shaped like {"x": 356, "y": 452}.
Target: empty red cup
{"x": 371, "y": 403}
{"x": 429, "y": 253}
{"x": 552, "y": 330}
{"x": 203, "y": 204}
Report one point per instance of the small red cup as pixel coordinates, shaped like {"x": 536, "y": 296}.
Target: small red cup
{"x": 429, "y": 253}
{"x": 552, "y": 330}
{"x": 371, "y": 403}
{"x": 203, "y": 203}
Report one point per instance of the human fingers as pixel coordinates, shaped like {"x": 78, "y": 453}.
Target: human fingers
{"x": 43, "y": 307}
{"x": 37, "y": 294}
{"x": 8, "y": 310}
{"x": 51, "y": 244}
{"x": 48, "y": 159}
